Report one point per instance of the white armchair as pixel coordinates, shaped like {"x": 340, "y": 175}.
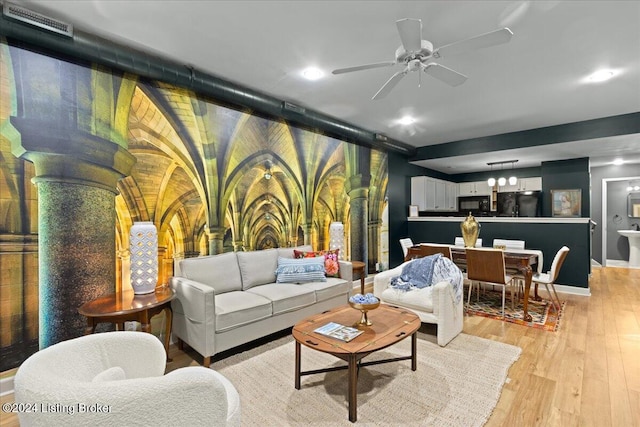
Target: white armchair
{"x": 435, "y": 304}
{"x": 117, "y": 378}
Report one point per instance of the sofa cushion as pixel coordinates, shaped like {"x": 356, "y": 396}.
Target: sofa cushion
{"x": 257, "y": 267}
{"x": 418, "y": 298}
{"x": 238, "y": 308}
{"x": 285, "y": 296}
{"x": 221, "y": 271}
{"x": 300, "y": 270}
{"x": 331, "y": 265}
{"x": 288, "y": 252}
{"x": 332, "y": 287}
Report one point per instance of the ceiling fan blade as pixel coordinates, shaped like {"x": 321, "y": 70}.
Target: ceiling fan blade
{"x": 447, "y": 75}
{"x": 363, "y": 67}
{"x": 390, "y": 84}
{"x": 491, "y": 38}
{"x": 410, "y": 33}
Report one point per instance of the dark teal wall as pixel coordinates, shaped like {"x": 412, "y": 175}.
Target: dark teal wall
{"x": 399, "y": 194}
{"x": 566, "y": 175}
{"x": 546, "y": 237}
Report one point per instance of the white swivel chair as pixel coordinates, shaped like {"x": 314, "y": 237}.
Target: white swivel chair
{"x": 406, "y": 244}
{"x": 548, "y": 279}
{"x": 122, "y": 373}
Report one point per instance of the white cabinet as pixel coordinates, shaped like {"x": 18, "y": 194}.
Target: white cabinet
{"x": 478, "y": 188}
{"x": 523, "y": 184}
{"x": 431, "y": 194}
{"x": 451, "y": 198}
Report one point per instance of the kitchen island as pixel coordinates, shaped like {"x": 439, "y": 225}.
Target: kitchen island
{"x": 543, "y": 233}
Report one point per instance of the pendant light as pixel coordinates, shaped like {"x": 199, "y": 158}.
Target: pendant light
{"x": 502, "y": 181}
{"x": 491, "y": 181}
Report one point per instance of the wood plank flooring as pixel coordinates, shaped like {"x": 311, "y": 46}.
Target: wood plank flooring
{"x": 586, "y": 374}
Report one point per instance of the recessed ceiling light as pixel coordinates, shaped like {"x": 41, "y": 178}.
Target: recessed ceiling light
{"x": 618, "y": 162}
{"x": 600, "y": 76}
{"x": 406, "y": 120}
{"x": 312, "y": 73}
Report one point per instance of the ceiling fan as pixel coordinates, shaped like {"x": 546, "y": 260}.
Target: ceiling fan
{"x": 416, "y": 54}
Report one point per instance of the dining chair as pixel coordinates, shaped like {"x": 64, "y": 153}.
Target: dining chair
{"x": 548, "y": 279}
{"x": 406, "y": 244}
{"x": 424, "y": 249}
{"x": 512, "y": 244}
{"x": 485, "y": 265}
{"x": 459, "y": 241}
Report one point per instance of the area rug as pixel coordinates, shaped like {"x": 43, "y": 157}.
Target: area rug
{"x": 458, "y": 385}
{"x": 543, "y": 314}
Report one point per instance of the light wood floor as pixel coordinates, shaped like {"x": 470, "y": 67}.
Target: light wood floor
{"x": 586, "y": 374}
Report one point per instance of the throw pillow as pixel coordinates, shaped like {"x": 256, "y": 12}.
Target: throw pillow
{"x": 300, "y": 270}
{"x": 115, "y": 373}
{"x": 331, "y": 264}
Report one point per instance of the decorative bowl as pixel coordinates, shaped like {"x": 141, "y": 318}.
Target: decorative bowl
{"x": 364, "y": 309}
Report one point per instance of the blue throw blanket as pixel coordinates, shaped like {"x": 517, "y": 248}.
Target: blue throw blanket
{"x": 416, "y": 274}
{"x": 428, "y": 271}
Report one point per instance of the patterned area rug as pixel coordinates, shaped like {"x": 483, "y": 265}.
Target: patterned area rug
{"x": 490, "y": 305}
{"x": 458, "y": 385}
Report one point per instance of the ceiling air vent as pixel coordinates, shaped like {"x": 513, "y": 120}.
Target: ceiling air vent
{"x": 293, "y": 107}
{"x": 33, "y": 18}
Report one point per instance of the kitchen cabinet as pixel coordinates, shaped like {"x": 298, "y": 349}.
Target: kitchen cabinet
{"x": 478, "y": 188}
{"x": 431, "y": 194}
{"x": 523, "y": 184}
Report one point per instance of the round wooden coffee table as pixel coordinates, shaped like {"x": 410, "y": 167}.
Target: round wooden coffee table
{"x": 390, "y": 325}
{"x": 126, "y": 306}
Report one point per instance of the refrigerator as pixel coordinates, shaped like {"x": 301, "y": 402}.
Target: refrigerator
{"x": 525, "y": 204}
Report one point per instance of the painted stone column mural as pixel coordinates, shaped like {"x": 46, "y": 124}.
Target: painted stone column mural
{"x": 358, "y": 192}
{"x": 76, "y": 217}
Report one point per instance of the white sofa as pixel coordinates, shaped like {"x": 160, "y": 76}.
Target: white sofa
{"x": 232, "y": 298}
{"x": 436, "y": 304}
{"x": 117, "y": 379}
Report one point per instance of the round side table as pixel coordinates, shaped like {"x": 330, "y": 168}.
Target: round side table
{"x": 126, "y": 306}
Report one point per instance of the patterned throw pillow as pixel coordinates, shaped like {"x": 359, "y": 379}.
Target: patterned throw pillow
{"x": 300, "y": 270}
{"x": 331, "y": 264}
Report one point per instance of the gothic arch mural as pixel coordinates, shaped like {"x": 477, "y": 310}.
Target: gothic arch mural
{"x": 196, "y": 169}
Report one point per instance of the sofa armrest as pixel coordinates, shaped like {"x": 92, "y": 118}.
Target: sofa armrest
{"x": 382, "y": 280}
{"x": 346, "y": 270}
{"x": 194, "y": 314}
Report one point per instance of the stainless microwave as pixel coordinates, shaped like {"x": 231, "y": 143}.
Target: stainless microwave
{"x": 474, "y": 204}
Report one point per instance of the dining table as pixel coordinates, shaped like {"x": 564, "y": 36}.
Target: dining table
{"x": 519, "y": 261}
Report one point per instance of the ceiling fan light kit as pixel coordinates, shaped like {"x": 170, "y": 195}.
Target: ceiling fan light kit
{"x": 416, "y": 54}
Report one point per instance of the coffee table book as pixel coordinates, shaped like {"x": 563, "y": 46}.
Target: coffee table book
{"x": 341, "y": 332}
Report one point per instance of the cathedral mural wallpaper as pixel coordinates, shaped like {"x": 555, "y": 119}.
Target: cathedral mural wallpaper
{"x": 85, "y": 151}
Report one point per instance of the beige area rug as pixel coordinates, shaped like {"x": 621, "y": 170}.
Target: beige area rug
{"x": 458, "y": 385}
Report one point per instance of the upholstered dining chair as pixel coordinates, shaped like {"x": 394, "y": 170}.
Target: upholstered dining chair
{"x": 508, "y": 244}
{"x": 117, "y": 378}
{"x": 459, "y": 241}
{"x": 406, "y": 244}
{"x": 512, "y": 244}
{"x": 485, "y": 265}
{"x": 548, "y": 279}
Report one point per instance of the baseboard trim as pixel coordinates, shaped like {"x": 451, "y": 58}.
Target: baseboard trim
{"x": 573, "y": 290}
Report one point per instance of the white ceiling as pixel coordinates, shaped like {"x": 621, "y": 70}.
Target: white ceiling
{"x": 536, "y": 80}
